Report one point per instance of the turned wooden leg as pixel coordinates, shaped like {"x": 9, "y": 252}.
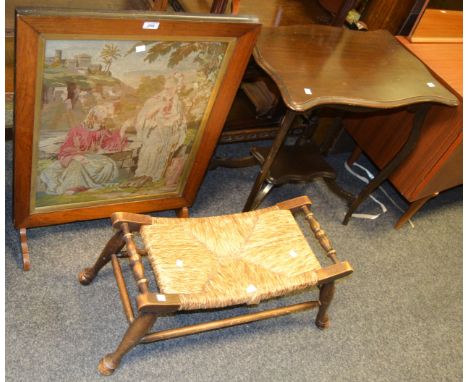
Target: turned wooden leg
{"x": 132, "y": 337}
{"x": 24, "y": 250}
{"x": 412, "y": 209}
{"x": 113, "y": 246}
{"x": 326, "y": 295}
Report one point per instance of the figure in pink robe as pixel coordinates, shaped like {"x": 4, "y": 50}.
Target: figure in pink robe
{"x": 81, "y": 164}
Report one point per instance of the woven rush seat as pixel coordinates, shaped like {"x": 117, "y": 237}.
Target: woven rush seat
{"x": 228, "y": 260}
{"x": 215, "y": 262}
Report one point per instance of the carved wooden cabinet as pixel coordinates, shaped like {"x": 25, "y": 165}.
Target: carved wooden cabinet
{"x": 435, "y": 164}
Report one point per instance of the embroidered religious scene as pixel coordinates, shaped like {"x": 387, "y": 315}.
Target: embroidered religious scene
{"x": 121, "y": 120}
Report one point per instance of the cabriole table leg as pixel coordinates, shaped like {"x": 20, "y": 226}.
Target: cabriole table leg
{"x": 394, "y": 163}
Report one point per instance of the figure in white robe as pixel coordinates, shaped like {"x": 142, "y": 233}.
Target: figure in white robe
{"x": 161, "y": 128}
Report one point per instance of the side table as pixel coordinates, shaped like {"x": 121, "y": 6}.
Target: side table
{"x": 436, "y": 162}
{"x": 316, "y": 66}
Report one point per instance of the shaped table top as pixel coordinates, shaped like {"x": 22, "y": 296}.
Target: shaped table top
{"x": 317, "y": 65}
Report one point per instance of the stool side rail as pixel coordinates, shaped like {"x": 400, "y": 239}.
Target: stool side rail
{"x": 150, "y": 305}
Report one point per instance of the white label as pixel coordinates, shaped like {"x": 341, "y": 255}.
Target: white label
{"x": 430, "y": 84}
{"x": 292, "y": 253}
{"x": 251, "y": 289}
{"x": 161, "y": 297}
{"x": 150, "y": 25}
{"x": 140, "y": 48}
{"x": 308, "y": 91}
{"x": 179, "y": 263}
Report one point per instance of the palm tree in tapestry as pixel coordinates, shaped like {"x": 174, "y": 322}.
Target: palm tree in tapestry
{"x": 207, "y": 54}
{"x": 109, "y": 54}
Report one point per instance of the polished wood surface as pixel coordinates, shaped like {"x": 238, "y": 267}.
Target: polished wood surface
{"x": 92, "y": 5}
{"x": 340, "y": 66}
{"x": 295, "y": 164}
{"x": 316, "y": 66}
{"x": 412, "y": 209}
{"x": 295, "y": 203}
{"x": 441, "y": 133}
{"x": 377, "y": 136}
{"x": 9, "y": 64}
{"x": 134, "y": 221}
{"x": 444, "y": 60}
{"x": 387, "y": 14}
{"x": 436, "y": 161}
{"x": 244, "y": 124}
{"x": 270, "y": 13}
{"x": 32, "y": 25}
{"x": 447, "y": 172}
{"x": 439, "y": 25}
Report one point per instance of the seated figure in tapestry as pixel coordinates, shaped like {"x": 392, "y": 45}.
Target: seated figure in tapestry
{"x": 81, "y": 165}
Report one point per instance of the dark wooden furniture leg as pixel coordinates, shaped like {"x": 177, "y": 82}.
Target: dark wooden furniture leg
{"x": 412, "y": 209}
{"x": 327, "y": 292}
{"x": 144, "y": 322}
{"x": 337, "y": 190}
{"x": 394, "y": 163}
{"x": 299, "y": 163}
{"x": 228, "y": 162}
{"x": 357, "y": 151}
{"x": 113, "y": 246}
{"x": 151, "y": 305}
{"x": 182, "y": 212}
{"x": 135, "y": 332}
{"x": 24, "y": 250}
{"x": 261, "y": 195}
{"x": 277, "y": 143}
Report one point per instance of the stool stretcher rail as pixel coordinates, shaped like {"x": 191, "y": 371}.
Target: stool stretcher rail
{"x": 227, "y": 322}
{"x": 127, "y": 305}
{"x": 150, "y": 305}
